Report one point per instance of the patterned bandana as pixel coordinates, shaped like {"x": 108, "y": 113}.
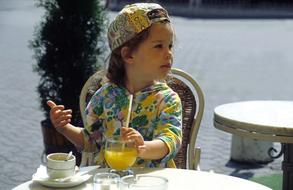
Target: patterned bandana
{"x": 133, "y": 19}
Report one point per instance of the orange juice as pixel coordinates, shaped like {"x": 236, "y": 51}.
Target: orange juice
{"x": 120, "y": 158}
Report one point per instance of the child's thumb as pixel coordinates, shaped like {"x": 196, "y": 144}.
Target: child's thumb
{"x": 51, "y": 103}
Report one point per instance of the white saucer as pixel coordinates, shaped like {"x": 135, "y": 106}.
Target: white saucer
{"x": 41, "y": 177}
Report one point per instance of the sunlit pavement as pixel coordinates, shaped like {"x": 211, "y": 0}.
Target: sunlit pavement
{"x": 232, "y": 60}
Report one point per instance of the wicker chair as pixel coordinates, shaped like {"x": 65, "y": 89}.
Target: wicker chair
{"x": 192, "y": 99}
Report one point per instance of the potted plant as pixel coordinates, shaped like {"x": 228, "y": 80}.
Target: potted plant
{"x": 68, "y": 48}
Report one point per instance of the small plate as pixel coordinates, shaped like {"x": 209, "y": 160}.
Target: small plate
{"x": 41, "y": 177}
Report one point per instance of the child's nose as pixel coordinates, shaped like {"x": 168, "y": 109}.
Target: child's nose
{"x": 169, "y": 54}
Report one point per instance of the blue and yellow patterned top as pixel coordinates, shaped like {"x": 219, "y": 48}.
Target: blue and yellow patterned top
{"x": 156, "y": 114}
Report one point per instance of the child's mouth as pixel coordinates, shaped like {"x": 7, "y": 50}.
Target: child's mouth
{"x": 166, "y": 66}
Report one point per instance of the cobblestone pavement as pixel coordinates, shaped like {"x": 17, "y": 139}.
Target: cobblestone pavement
{"x": 232, "y": 60}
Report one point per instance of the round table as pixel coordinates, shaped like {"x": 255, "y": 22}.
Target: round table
{"x": 178, "y": 179}
{"x": 262, "y": 120}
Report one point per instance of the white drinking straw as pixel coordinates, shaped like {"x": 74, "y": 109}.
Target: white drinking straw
{"x": 129, "y": 110}
{"x": 128, "y": 115}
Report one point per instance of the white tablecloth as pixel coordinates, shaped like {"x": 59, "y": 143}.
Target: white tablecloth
{"x": 179, "y": 179}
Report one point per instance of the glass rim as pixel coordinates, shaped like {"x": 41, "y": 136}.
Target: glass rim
{"x": 163, "y": 181}
{"x": 117, "y": 138}
{"x": 63, "y": 154}
{"x": 106, "y": 175}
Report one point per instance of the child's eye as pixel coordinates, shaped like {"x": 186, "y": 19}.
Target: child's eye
{"x": 170, "y": 46}
{"x": 159, "y": 46}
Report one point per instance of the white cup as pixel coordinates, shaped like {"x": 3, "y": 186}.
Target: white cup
{"x": 59, "y": 167}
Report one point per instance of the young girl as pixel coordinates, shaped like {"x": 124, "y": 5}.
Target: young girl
{"x": 141, "y": 41}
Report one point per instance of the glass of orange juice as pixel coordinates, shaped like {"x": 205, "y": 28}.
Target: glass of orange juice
{"x": 120, "y": 155}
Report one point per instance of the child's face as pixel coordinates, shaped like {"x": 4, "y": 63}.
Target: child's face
{"x": 153, "y": 59}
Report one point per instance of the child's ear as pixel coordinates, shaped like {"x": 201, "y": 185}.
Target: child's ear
{"x": 126, "y": 55}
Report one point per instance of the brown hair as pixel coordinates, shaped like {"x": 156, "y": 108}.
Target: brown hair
{"x": 116, "y": 70}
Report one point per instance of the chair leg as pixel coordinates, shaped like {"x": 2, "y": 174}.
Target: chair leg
{"x": 197, "y": 152}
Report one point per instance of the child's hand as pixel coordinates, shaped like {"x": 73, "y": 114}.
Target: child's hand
{"x": 59, "y": 117}
{"x": 132, "y": 134}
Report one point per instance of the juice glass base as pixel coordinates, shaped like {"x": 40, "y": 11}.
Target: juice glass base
{"x": 122, "y": 173}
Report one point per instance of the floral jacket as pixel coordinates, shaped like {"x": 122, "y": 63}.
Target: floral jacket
{"x": 156, "y": 114}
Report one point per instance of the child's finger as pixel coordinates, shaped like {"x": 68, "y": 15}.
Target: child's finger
{"x": 124, "y": 129}
{"x": 57, "y": 114}
{"x": 63, "y": 117}
{"x": 130, "y": 133}
{"x": 57, "y": 111}
{"x": 125, "y": 132}
{"x": 55, "y": 108}
{"x": 63, "y": 122}
{"x": 135, "y": 137}
{"x": 69, "y": 111}
{"x": 51, "y": 104}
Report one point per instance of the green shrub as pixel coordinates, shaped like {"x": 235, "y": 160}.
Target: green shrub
{"x": 68, "y": 47}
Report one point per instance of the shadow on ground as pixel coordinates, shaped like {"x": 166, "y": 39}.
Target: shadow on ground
{"x": 242, "y": 169}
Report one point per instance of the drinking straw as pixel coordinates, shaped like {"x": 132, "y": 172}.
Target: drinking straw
{"x": 128, "y": 115}
{"x": 129, "y": 110}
